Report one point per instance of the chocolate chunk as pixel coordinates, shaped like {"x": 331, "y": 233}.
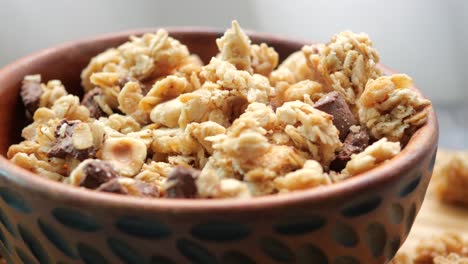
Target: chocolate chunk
{"x": 113, "y": 186}
{"x": 133, "y": 187}
{"x": 63, "y": 145}
{"x": 181, "y": 183}
{"x": 334, "y": 104}
{"x": 89, "y": 102}
{"x": 31, "y": 92}
{"x": 146, "y": 189}
{"x": 96, "y": 173}
{"x": 354, "y": 143}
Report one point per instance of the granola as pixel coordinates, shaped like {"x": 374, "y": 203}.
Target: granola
{"x": 155, "y": 121}
{"x": 448, "y": 248}
{"x": 389, "y": 108}
{"x": 451, "y": 177}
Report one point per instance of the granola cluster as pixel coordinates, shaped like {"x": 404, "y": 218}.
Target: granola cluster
{"x": 450, "y": 177}
{"x": 156, "y": 122}
{"x": 448, "y": 248}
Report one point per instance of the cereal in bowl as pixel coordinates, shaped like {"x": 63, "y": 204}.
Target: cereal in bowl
{"x": 155, "y": 121}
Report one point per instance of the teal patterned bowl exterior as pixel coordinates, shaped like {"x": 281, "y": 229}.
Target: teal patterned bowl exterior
{"x": 363, "y": 220}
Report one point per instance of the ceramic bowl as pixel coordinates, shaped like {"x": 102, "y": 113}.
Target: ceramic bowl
{"x": 362, "y": 220}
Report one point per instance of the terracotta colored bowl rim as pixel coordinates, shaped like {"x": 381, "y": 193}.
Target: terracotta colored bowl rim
{"x": 419, "y": 146}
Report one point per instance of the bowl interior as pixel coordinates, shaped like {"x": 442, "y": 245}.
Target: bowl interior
{"x": 65, "y": 63}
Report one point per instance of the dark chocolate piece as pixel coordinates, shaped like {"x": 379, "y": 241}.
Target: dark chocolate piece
{"x": 63, "y": 145}
{"x": 181, "y": 183}
{"x": 89, "y": 102}
{"x": 113, "y": 186}
{"x": 354, "y": 143}
{"x": 96, "y": 173}
{"x": 334, "y": 104}
{"x": 139, "y": 188}
{"x": 31, "y": 92}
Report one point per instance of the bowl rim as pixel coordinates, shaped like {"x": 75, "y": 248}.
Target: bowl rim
{"x": 421, "y": 144}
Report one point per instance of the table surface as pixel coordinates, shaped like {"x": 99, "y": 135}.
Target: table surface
{"x": 436, "y": 218}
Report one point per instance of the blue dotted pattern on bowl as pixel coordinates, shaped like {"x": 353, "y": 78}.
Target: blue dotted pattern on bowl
{"x": 143, "y": 228}
{"x": 75, "y": 219}
{"x": 199, "y": 243}
{"x": 56, "y": 239}
{"x": 220, "y": 231}
{"x": 90, "y": 255}
{"x": 195, "y": 252}
{"x": 299, "y": 225}
{"x": 125, "y": 252}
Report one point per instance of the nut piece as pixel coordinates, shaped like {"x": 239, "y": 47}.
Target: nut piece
{"x": 82, "y": 137}
{"x": 181, "y": 183}
{"x": 31, "y": 92}
{"x": 354, "y": 143}
{"x": 334, "y": 104}
{"x": 91, "y": 102}
{"x": 91, "y": 173}
{"x": 126, "y": 154}
{"x": 64, "y": 144}
{"x": 127, "y": 186}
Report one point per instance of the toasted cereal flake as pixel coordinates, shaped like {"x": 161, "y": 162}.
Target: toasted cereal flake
{"x": 310, "y": 130}
{"x": 155, "y": 173}
{"x": 451, "y": 259}
{"x": 167, "y": 113}
{"x": 263, "y": 59}
{"x": 174, "y": 140}
{"x": 294, "y": 68}
{"x": 164, "y": 90}
{"x": 69, "y": 107}
{"x": 51, "y": 93}
{"x": 232, "y": 188}
{"x": 49, "y": 170}
{"x": 210, "y": 103}
{"x": 444, "y": 245}
{"x": 375, "y": 154}
{"x": 121, "y": 123}
{"x": 27, "y": 147}
{"x": 254, "y": 88}
{"x": 310, "y": 176}
{"x": 82, "y": 137}
{"x": 345, "y": 64}
{"x": 190, "y": 69}
{"x": 97, "y": 64}
{"x": 235, "y": 47}
{"x": 389, "y": 108}
{"x": 129, "y": 98}
{"x": 298, "y": 90}
{"x": 152, "y": 54}
{"x": 200, "y": 131}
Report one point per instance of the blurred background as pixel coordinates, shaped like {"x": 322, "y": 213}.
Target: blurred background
{"x": 426, "y": 39}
